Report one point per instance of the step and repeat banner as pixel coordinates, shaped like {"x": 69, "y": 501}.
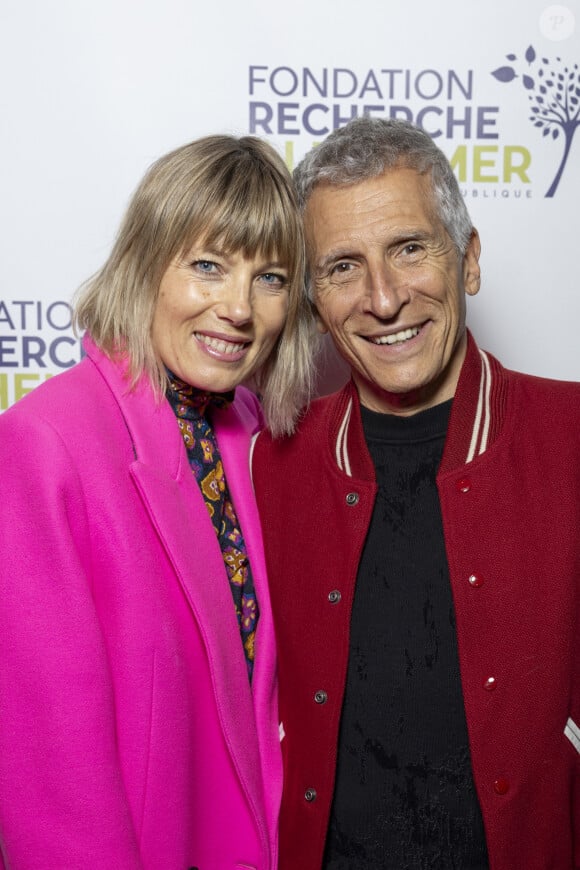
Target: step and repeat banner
{"x": 92, "y": 93}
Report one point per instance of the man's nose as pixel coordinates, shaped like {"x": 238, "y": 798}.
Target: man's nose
{"x": 387, "y": 292}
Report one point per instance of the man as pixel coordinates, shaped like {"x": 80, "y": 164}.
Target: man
{"x": 422, "y": 533}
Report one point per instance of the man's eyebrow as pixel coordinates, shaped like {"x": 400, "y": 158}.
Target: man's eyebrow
{"x": 410, "y": 235}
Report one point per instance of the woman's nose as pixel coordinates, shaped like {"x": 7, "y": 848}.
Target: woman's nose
{"x": 235, "y": 304}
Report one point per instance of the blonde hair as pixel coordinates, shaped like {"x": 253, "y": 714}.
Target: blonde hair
{"x": 233, "y": 192}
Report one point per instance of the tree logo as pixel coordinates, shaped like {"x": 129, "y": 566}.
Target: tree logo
{"x": 554, "y": 94}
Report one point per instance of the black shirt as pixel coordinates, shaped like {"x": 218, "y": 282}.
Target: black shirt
{"x": 404, "y": 795}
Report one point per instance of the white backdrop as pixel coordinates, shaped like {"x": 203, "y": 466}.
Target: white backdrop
{"x": 93, "y": 92}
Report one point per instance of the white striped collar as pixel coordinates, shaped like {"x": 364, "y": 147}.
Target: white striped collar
{"x": 341, "y": 448}
{"x": 251, "y": 457}
{"x": 479, "y": 435}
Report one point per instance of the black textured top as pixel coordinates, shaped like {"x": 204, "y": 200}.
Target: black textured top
{"x": 404, "y": 796}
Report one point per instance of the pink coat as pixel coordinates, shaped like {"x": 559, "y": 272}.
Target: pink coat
{"x": 129, "y": 736}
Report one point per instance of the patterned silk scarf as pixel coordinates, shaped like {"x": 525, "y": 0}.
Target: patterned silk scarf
{"x": 191, "y": 406}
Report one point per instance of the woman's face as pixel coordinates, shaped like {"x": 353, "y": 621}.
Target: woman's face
{"x": 218, "y": 316}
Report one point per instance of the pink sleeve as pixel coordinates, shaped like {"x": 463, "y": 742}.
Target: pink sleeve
{"x": 250, "y": 410}
{"x": 62, "y": 798}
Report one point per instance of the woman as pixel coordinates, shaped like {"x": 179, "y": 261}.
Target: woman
{"x": 138, "y": 722}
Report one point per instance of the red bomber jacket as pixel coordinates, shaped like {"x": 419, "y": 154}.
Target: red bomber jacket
{"x": 509, "y": 487}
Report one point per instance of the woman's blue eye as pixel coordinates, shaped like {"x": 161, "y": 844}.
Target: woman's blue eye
{"x": 273, "y": 279}
{"x": 204, "y": 265}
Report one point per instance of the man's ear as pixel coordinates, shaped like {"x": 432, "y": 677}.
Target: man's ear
{"x": 471, "y": 268}
{"x": 320, "y": 325}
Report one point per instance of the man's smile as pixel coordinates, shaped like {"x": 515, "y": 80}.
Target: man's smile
{"x": 397, "y": 337}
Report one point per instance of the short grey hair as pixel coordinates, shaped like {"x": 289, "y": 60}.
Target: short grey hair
{"x": 366, "y": 147}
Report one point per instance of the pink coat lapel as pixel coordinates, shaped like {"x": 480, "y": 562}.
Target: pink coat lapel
{"x": 233, "y": 432}
{"x": 174, "y": 503}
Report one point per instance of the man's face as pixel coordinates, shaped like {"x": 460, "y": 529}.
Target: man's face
{"x": 390, "y": 288}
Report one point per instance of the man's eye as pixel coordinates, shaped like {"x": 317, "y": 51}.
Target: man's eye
{"x": 412, "y": 248}
{"x": 341, "y": 268}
